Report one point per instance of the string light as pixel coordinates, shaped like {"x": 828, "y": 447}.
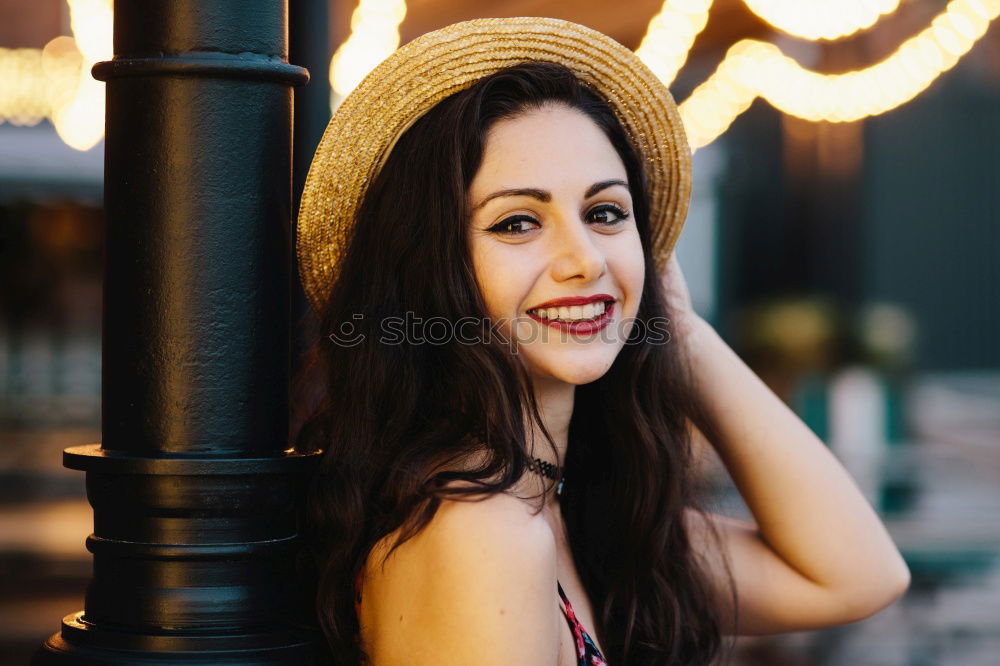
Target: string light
{"x": 54, "y": 82}
{"x": 753, "y": 68}
{"x": 80, "y": 122}
{"x": 92, "y": 23}
{"x": 62, "y": 65}
{"x": 821, "y": 19}
{"x": 671, "y": 35}
{"x": 374, "y": 36}
{"x": 25, "y": 99}
{"x": 716, "y": 103}
{"x": 38, "y": 81}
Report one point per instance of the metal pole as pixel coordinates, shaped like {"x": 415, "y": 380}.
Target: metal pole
{"x": 309, "y": 36}
{"x": 192, "y": 488}
{"x": 309, "y": 45}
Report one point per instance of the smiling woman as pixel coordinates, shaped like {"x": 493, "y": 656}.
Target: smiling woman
{"x": 557, "y": 242}
{"x": 527, "y": 496}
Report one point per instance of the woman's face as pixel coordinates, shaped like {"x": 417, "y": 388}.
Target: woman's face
{"x": 552, "y": 220}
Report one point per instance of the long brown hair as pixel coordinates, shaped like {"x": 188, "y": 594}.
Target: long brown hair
{"x": 390, "y": 418}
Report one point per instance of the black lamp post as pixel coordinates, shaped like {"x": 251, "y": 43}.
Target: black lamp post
{"x": 192, "y": 488}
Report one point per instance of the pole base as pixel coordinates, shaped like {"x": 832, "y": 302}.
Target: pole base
{"x": 82, "y": 644}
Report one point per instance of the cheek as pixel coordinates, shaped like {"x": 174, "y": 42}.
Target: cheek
{"x": 630, "y": 269}
{"x": 492, "y": 271}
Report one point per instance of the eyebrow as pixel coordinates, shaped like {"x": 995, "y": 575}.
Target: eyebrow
{"x": 545, "y": 196}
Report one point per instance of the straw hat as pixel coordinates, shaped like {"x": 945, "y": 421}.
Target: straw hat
{"x": 428, "y": 69}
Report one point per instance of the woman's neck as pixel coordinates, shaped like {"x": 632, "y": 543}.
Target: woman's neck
{"x": 555, "y": 407}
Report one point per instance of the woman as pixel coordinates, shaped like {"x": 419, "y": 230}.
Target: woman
{"x": 514, "y": 371}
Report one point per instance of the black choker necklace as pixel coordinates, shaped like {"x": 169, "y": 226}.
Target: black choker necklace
{"x": 547, "y": 469}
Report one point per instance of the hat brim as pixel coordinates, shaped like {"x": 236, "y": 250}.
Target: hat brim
{"x": 407, "y": 84}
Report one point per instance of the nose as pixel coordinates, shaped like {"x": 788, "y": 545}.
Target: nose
{"x": 575, "y": 254}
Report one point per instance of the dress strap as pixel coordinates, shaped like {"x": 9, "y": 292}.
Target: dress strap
{"x": 567, "y": 607}
{"x": 587, "y": 652}
{"x": 562, "y": 593}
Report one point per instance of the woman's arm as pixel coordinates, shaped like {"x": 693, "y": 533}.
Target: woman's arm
{"x": 818, "y": 554}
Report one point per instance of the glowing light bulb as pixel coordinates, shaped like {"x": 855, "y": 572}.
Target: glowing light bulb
{"x": 821, "y": 19}
{"x": 759, "y": 69}
{"x": 671, "y": 34}
{"x": 374, "y": 36}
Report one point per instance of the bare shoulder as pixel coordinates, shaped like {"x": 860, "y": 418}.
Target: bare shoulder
{"x": 477, "y": 585}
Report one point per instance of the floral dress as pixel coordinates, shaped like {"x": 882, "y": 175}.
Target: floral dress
{"x": 587, "y": 653}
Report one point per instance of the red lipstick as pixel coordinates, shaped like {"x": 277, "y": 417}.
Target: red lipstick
{"x": 573, "y": 300}
{"x": 582, "y": 327}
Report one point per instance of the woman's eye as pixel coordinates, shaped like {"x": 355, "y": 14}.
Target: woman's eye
{"x": 513, "y": 225}
{"x": 608, "y": 215}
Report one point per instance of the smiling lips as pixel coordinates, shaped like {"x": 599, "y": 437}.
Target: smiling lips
{"x": 575, "y": 314}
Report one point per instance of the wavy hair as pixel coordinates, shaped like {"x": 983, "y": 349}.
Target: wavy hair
{"x": 393, "y": 420}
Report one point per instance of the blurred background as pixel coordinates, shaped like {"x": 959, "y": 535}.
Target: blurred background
{"x": 844, "y": 237}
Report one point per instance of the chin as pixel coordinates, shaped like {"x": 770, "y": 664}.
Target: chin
{"x": 572, "y": 368}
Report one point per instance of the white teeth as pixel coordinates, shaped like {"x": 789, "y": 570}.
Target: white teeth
{"x": 573, "y": 312}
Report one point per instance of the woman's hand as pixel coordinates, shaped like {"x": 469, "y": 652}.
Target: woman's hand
{"x": 675, "y": 289}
